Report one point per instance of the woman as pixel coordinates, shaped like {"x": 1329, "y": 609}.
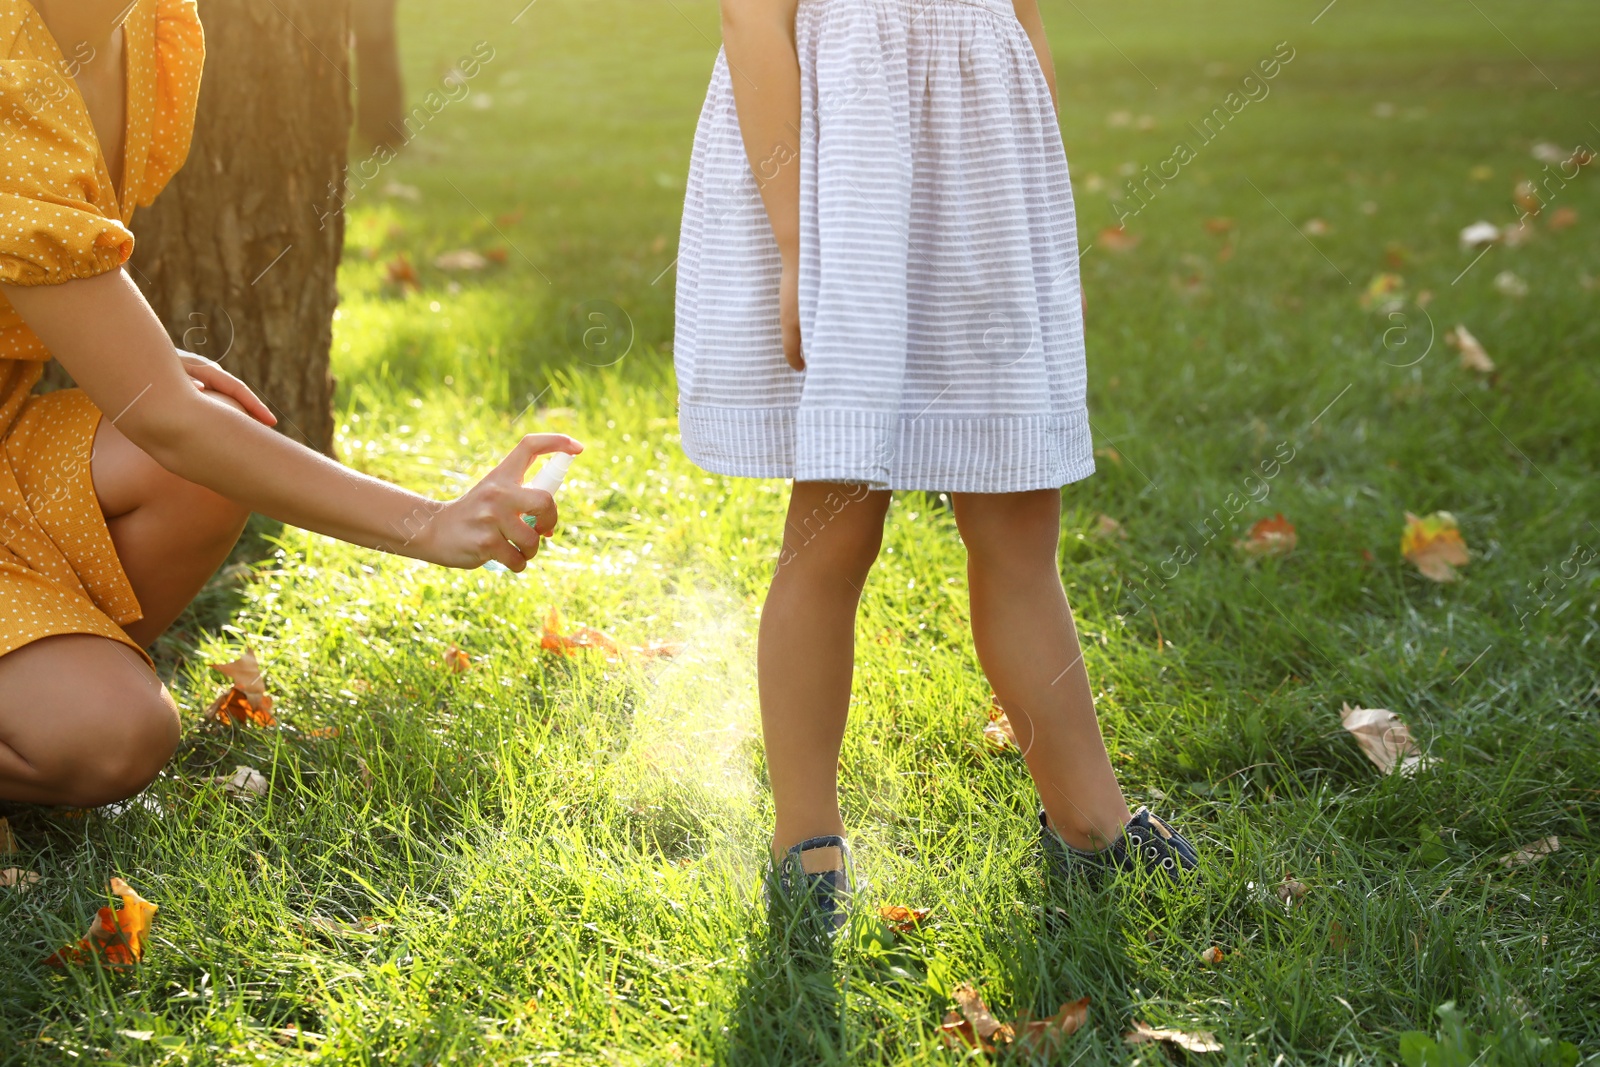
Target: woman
{"x": 109, "y": 525}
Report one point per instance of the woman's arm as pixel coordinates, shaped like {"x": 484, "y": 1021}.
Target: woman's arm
{"x": 113, "y": 345}
{"x": 758, "y": 39}
{"x": 1028, "y": 14}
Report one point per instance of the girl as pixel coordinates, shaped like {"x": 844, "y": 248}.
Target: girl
{"x": 109, "y": 526}
{"x": 878, "y": 290}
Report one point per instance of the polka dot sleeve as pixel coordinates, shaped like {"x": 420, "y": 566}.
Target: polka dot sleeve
{"x": 51, "y": 179}
{"x": 180, "y": 55}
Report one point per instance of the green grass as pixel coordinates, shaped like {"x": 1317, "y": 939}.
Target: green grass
{"x": 545, "y": 859}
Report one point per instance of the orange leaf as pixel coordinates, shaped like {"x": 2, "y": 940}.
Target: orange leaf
{"x": 399, "y": 271}
{"x": 901, "y": 919}
{"x": 1434, "y": 545}
{"x": 1044, "y": 1036}
{"x": 997, "y": 732}
{"x": 1218, "y": 226}
{"x": 1212, "y": 956}
{"x": 115, "y": 937}
{"x": 586, "y": 637}
{"x": 234, "y": 706}
{"x": 1562, "y": 218}
{"x": 1117, "y": 239}
{"x": 1197, "y": 1041}
{"x": 457, "y": 660}
{"x": 248, "y": 701}
{"x": 1269, "y": 537}
{"x": 974, "y": 1026}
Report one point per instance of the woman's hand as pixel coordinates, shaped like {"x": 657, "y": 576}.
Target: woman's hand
{"x": 486, "y": 523}
{"x": 789, "y": 313}
{"x": 208, "y": 376}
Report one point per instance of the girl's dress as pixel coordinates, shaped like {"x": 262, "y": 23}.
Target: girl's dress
{"x": 61, "y": 218}
{"x": 939, "y": 300}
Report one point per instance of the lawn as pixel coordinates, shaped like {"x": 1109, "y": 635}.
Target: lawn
{"x": 549, "y": 858}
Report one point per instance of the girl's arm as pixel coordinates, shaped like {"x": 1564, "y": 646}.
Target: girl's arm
{"x": 1028, "y": 14}
{"x": 758, "y": 39}
{"x": 113, "y": 345}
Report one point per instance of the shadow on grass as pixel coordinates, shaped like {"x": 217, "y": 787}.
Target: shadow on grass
{"x": 789, "y": 1007}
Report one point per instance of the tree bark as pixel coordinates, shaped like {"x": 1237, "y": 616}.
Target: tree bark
{"x": 239, "y": 256}
{"x": 381, "y": 108}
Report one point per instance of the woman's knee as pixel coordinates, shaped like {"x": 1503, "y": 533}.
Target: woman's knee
{"x": 117, "y": 760}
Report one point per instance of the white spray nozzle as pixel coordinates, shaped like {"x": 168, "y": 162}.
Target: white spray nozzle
{"x": 551, "y": 474}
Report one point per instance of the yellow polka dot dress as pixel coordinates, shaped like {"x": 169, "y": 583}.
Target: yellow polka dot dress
{"x": 60, "y": 219}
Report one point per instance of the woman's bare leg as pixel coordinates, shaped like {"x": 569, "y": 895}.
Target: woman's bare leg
{"x": 83, "y": 721}
{"x": 1029, "y": 649}
{"x": 807, "y": 655}
{"x": 171, "y": 535}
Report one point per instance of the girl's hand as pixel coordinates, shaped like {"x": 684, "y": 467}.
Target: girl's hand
{"x": 207, "y": 375}
{"x": 486, "y": 523}
{"x": 789, "y": 313}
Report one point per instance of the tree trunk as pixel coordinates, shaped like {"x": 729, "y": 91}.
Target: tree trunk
{"x": 239, "y": 255}
{"x": 381, "y": 115}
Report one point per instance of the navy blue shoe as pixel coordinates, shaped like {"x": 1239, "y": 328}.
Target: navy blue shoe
{"x": 820, "y": 895}
{"x": 1146, "y": 843}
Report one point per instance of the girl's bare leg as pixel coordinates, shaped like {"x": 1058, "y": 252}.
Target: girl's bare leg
{"x": 1029, "y": 649}
{"x": 83, "y": 720}
{"x": 807, "y": 655}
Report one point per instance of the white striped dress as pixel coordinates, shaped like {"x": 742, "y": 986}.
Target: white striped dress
{"x": 939, "y": 306}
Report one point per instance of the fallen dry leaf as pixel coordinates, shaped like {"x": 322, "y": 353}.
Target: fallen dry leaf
{"x": 1290, "y": 890}
{"x": 1562, "y": 218}
{"x": 116, "y": 936}
{"x": 586, "y": 637}
{"x": 1473, "y": 357}
{"x": 1218, "y": 226}
{"x": 997, "y": 732}
{"x": 460, "y": 259}
{"x": 1269, "y": 537}
{"x": 1109, "y": 454}
{"x": 1316, "y": 228}
{"x": 248, "y": 701}
{"x": 1478, "y": 235}
{"x": 17, "y": 878}
{"x": 1106, "y": 528}
{"x": 457, "y": 661}
{"x": 973, "y": 1025}
{"x": 399, "y": 271}
{"x": 1507, "y": 283}
{"x": 1384, "y": 292}
{"x": 1338, "y": 940}
{"x": 1526, "y": 196}
{"x": 901, "y": 919}
{"x": 8, "y": 840}
{"x": 1195, "y": 1041}
{"x": 1532, "y": 852}
{"x": 1043, "y": 1037}
{"x": 244, "y": 781}
{"x": 1117, "y": 239}
{"x": 1212, "y": 956}
{"x": 1434, "y": 545}
{"x": 1384, "y": 737}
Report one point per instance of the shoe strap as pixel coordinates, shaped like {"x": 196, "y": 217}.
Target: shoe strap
{"x": 793, "y": 852}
